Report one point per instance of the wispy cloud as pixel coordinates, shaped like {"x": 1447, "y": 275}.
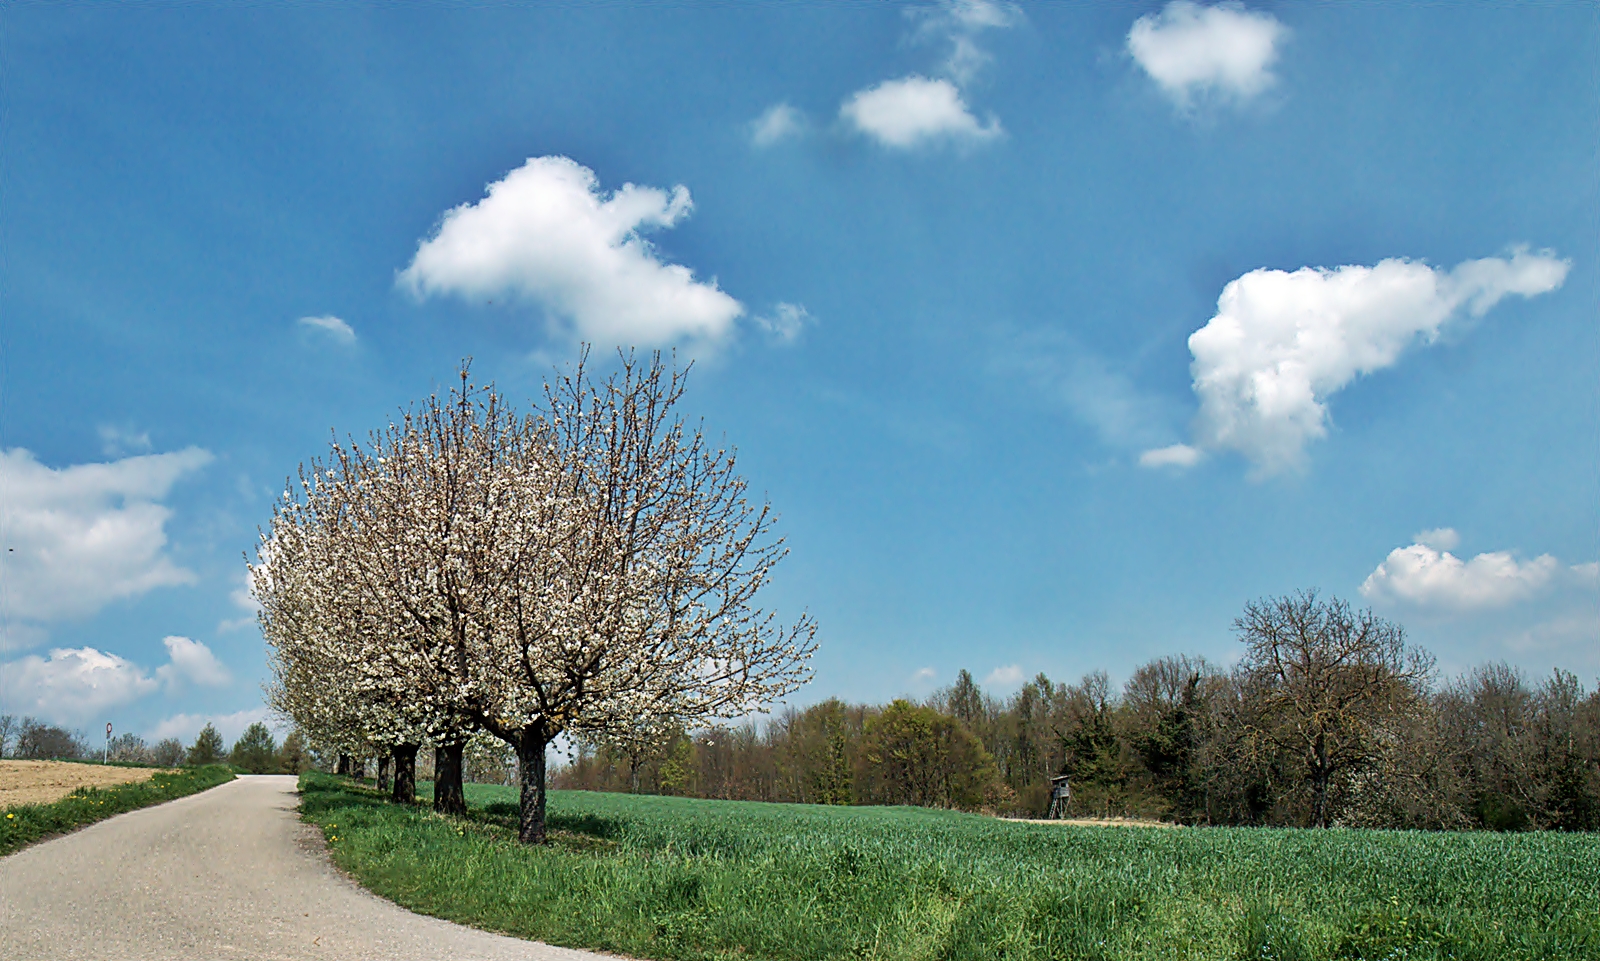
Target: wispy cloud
{"x": 776, "y": 124}
{"x": 960, "y": 23}
{"x": 1004, "y": 678}
{"x": 1099, "y": 394}
{"x": 122, "y": 441}
{"x": 785, "y": 322}
{"x": 331, "y": 327}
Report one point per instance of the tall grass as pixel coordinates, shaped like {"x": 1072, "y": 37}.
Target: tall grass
{"x": 673, "y": 878}
{"x": 26, "y": 824}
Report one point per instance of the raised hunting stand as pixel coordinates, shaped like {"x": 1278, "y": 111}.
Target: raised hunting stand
{"x": 1060, "y": 797}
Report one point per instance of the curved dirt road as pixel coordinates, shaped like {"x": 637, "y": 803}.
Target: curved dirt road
{"x": 227, "y": 873}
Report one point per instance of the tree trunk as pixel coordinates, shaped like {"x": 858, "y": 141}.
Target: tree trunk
{"x": 448, "y": 795}
{"x": 530, "y": 774}
{"x": 383, "y": 773}
{"x": 344, "y": 766}
{"x": 405, "y": 774}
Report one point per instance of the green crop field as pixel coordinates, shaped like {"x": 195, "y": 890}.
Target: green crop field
{"x": 661, "y": 878}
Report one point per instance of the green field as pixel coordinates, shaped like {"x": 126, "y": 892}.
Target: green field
{"x": 660, "y": 878}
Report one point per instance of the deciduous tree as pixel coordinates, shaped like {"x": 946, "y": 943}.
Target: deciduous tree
{"x": 1322, "y": 682}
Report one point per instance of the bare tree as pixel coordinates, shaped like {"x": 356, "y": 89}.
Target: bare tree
{"x": 1322, "y": 682}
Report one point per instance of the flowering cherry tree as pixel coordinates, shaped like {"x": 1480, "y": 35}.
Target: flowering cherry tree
{"x": 589, "y": 568}
{"x": 631, "y": 598}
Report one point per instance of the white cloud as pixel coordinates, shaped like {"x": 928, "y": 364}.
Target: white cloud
{"x": 915, "y": 111}
{"x": 923, "y": 677}
{"x": 1004, "y": 677}
{"x": 1191, "y": 51}
{"x": 185, "y": 727}
{"x": 1281, "y": 343}
{"x": 76, "y": 685}
{"x": 1177, "y": 455}
{"x": 777, "y": 123}
{"x": 1426, "y": 574}
{"x": 80, "y": 537}
{"x": 785, "y": 322}
{"x": 73, "y": 685}
{"x": 189, "y": 660}
{"x": 331, "y": 326}
{"x": 547, "y": 234}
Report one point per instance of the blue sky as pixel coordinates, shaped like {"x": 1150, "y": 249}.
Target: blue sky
{"x": 1055, "y": 332}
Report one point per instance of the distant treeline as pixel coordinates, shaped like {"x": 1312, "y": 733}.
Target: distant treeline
{"x": 256, "y": 751}
{"x": 1328, "y": 719}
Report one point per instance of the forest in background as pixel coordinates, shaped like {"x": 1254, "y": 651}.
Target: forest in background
{"x": 1328, "y": 719}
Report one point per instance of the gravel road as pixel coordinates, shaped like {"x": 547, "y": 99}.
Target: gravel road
{"x": 227, "y": 873}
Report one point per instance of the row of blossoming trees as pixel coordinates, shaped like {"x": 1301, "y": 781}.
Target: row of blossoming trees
{"x": 589, "y": 568}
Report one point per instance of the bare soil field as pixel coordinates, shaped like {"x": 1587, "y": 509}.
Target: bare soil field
{"x": 40, "y": 782}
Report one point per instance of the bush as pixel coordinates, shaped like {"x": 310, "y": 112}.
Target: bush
{"x": 167, "y": 753}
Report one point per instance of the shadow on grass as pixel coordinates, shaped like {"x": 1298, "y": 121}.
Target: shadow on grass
{"x": 506, "y": 814}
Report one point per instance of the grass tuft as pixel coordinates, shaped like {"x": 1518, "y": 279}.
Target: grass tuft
{"x": 28, "y": 824}
{"x": 673, "y": 878}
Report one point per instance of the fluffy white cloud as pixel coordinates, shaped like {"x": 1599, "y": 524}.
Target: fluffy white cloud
{"x": 1004, "y": 677}
{"x": 1193, "y": 51}
{"x": 1177, "y": 455}
{"x": 80, "y": 537}
{"x": 785, "y": 322}
{"x": 185, "y": 727}
{"x": 75, "y": 685}
{"x": 915, "y": 111}
{"x": 330, "y": 326}
{"x": 1426, "y": 574}
{"x": 777, "y": 123}
{"x": 1281, "y": 343}
{"x": 546, "y": 233}
{"x": 191, "y": 661}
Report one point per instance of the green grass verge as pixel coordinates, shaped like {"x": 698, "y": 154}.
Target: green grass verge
{"x": 26, "y": 824}
{"x": 671, "y": 878}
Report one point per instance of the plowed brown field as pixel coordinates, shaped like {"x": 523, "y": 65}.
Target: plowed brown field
{"x": 40, "y": 782}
